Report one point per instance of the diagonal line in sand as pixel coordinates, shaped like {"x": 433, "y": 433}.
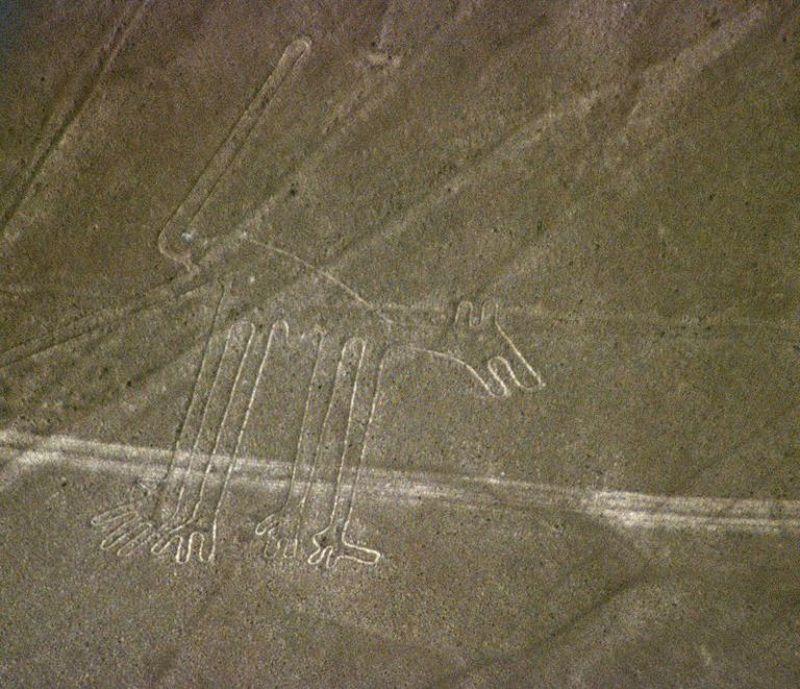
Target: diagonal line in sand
{"x": 23, "y": 451}
{"x": 81, "y": 88}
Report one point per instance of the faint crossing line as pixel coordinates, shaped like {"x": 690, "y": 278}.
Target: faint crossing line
{"x": 626, "y": 509}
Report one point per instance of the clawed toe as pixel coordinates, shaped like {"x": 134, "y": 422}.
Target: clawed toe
{"x": 185, "y": 546}
{"x": 164, "y": 539}
{"x": 139, "y": 541}
{"x": 322, "y": 557}
{"x": 128, "y": 536}
{"x": 330, "y": 548}
{"x": 267, "y": 524}
{"x": 109, "y": 518}
{"x": 276, "y": 547}
{"x": 279, "y": 539}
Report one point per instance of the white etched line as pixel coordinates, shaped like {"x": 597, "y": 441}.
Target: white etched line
{"x": 226, "y": 153}
{"x": 79, "y": 91}
{"x": 324, "y": 274}
{"x": 624, "y": 508}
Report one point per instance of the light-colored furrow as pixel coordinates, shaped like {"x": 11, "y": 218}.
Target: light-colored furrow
{"x": 21, "y": 452}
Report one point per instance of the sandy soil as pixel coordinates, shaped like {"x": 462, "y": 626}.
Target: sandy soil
{"x": 399, "y": 344}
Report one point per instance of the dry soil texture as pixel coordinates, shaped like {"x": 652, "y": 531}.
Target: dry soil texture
{"x": 394, "y": 343}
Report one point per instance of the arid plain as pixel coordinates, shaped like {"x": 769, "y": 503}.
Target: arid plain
{"x": 399, "y": 344}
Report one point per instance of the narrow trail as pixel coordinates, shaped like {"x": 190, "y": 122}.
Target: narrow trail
{"x": 22, "y": 452}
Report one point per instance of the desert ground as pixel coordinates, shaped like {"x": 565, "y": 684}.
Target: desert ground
{"x": 447, "y": 344}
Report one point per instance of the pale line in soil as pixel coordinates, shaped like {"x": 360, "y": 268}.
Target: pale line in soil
{"x": 23, "y": 451}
